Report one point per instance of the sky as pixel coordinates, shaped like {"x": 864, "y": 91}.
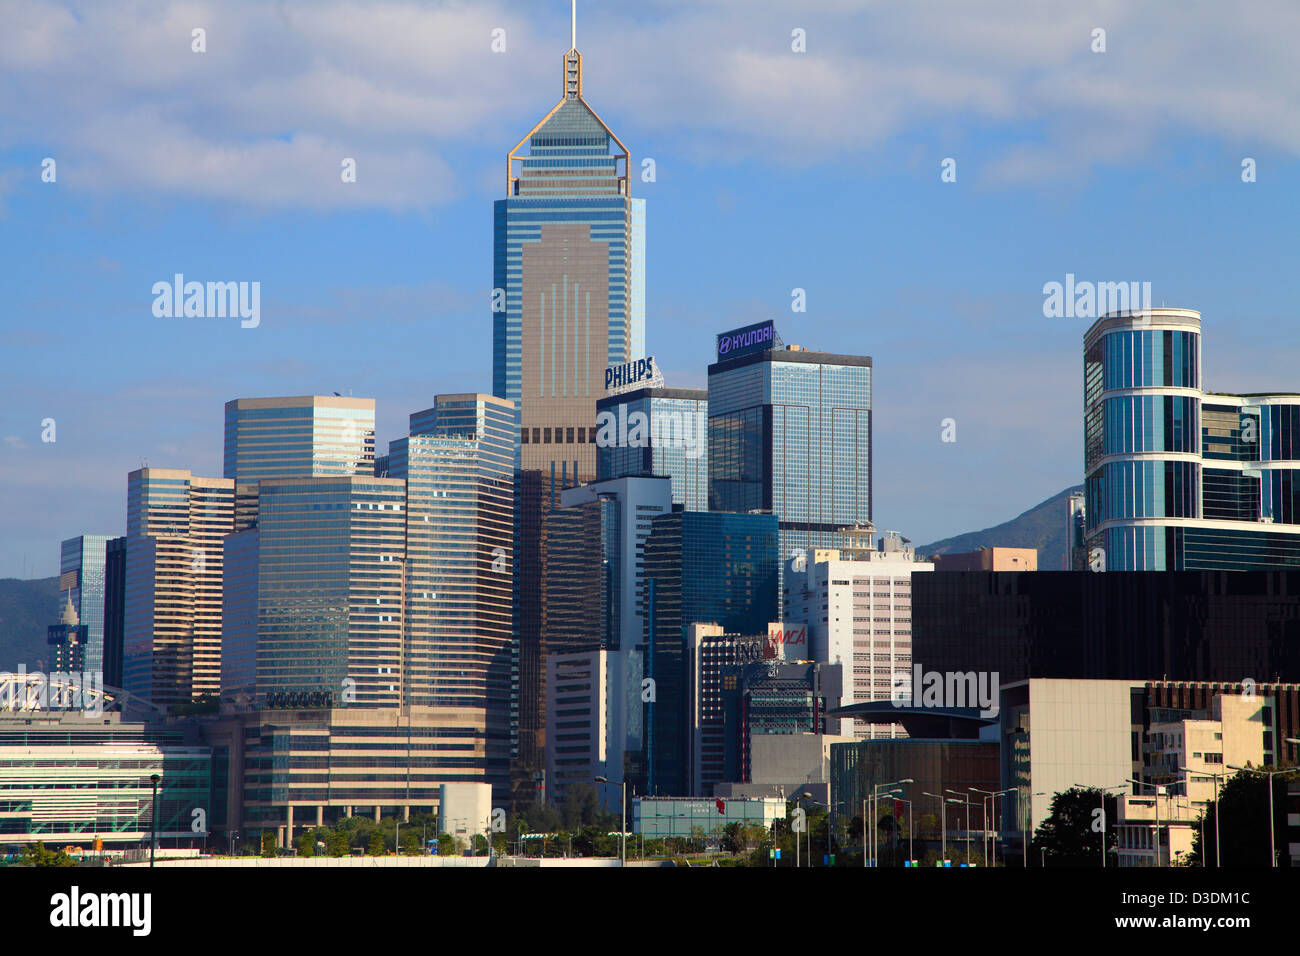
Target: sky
{"x": 774, "y": 170}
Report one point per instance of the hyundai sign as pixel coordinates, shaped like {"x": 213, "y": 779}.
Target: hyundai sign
{"x": 752, "y": 338}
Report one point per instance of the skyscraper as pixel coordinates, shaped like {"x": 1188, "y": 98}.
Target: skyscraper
{"x": 569, "y": 279}
{"x": 568, "y": 301}
{"x": 307, "y": 436}
{"x": 1178, "y": 478}
{"x": 700, "y": 567}
{"x": 790, "y": 434}
{"x": 657, "y": 431}
{"x": 329, "y": 587}
{"x": 458, "y": 465}
{"x": 175, "y": 523}
{"x": 81, "y": 578}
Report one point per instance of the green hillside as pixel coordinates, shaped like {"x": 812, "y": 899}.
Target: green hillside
{"x": 1041, "y": 527}
{"x": 27, "y": 608}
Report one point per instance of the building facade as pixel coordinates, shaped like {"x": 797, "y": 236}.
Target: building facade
{"x": 70, "y": 781}
{"x": 790, "y": 435}
{"x": 175, "y": 524}
{"x": 81, "y": 576}
{"x": 1184, "y": 625}
{"x": 856, "y": 602}
{"x": 305, "y": 436}
{"x": 657, "y": 431}
{"x": 707, "y": 567}
{"x": 1178, "y": 478}
{"x": 569, "y": 280}
{"x": 458, "y": 468}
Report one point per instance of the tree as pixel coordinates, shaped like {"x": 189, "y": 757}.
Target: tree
{"x": 38, "y": 855}
{"x": 1245, "y": 837}
{"x": 268, "y": 843}
{"x": 1073, "y": 832}
{"x": 446, "y": 845}
{"x": 337, "y": 843}
{"x": 307, "y": 843}
{"x": 376, "y": 845}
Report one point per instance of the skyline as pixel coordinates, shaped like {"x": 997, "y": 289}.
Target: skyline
{"x": 730, "y": 232}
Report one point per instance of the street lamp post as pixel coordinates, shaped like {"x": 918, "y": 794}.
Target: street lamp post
{"x": 877, "y": 791}
{"x": 1160, "y": 791}
{"x": 1215, "y": 777}
{"x": 1104, "y": 821}
{"x": 943, "y": 823}
{"x": 153, "y": 818}
{"x": 622, "y": 832}
{"x": 967, "y": 796}
{"x": 1270, "y": 774}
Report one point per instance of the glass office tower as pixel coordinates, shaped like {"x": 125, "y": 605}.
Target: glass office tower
{"x": 657, "y": 431}
{"x": 175, "y": 523}
{"x": 568, "y": 267}
{"x": 81, "y": 578}
{"x": 568, "y": 301}
{"x": 790, "y": 434}
{"x": 699, "y": 567}
{"x": 1178, "y": 478}
{"x": 458, "y": 464}
{"x": 306, "y": 436}
{"x": 329, "y": 581}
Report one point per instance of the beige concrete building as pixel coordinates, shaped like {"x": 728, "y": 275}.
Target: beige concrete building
{"x": 989, "y": 559}
{"x": 1158, "y": 823}
{"x": 175, "y": 523}
{"x": 857, "y": 604}
{"x": 286, "y": 770}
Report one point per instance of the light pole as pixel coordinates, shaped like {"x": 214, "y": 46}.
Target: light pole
{"x": 397, "y": 839}
{"x": 876, "y": 793}
{"x": 967, "y": 796}
{"x": 1160, "y": 791}
{"x": 993, "y": 838}
{"x": 153, "y": 818}
{"x": 1103, "y": 791}
{"x": 1270, "y": 774}
{"x": 958, "y": 802}
{"x": 1215, "y": 776}
{"x": 622, "y": 831}
{"x": 910, "y": 828}
{"x": 943, "y": 823}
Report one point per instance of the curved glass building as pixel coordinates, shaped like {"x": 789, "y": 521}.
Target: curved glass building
{"x": 1178, "y": 478}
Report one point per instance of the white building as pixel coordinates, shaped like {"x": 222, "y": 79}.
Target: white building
{"x": 1206, "y": 745}
{"x": 857, "y": 603}
{"x": 580, "y": 692}
{"x": 465, "y": 810}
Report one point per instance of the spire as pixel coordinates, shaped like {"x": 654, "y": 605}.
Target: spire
{"x": 573, "y": 25}
{"x": 69, "y": 616}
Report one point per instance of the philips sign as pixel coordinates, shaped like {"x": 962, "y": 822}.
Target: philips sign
{"x": 638, "y": 372}
{"x": 752, "y": 338}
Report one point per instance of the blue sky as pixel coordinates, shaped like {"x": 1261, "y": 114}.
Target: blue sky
{"x": 775, "y": 170}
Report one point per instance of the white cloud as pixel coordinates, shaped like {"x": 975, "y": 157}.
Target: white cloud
{"x": 285, "y": 90}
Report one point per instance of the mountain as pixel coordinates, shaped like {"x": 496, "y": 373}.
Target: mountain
{"x": 27, "y": 608}
{"x": 1041, "y": 527}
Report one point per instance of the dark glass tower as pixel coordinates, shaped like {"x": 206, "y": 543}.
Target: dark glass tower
{"x": 700, "y": 567}
{"x": 790, "y": 434}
